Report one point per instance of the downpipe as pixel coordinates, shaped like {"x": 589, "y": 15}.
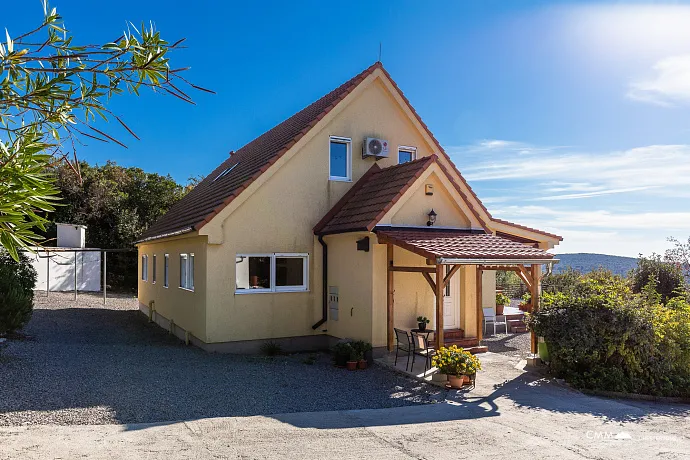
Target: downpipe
{"x": 324, "y": 287}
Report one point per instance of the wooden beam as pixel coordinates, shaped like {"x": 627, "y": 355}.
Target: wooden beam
{"x": 390, "y": 300}
{"x": 439, "y": 306}
{"x": 413, "y": 269}
{"x": 535, "y": 273}
{"x": 501, "y": 268}
{"x": 480, "y": 309}
{"x": 524, "y": 276}
{"x": 430, "y": 281}
{"x": 450, "y": 274}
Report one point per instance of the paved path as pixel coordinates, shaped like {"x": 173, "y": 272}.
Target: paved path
{"x": 510, "y": 414}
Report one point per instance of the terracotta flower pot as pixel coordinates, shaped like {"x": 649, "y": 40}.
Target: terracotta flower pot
{"x": 499, "y": 309}
{"x": 456, "y": 381}
{"x": 465, "y": 379}
{"x": 362, "y": 364}
{"x": 351, "y": 365}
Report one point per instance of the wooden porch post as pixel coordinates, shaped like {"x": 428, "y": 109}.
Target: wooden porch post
{"x": 535, "y": 278}
{"x": 439, "y": 306}
{"x": 390, "y": 300}
{"x": 480, "y": 309}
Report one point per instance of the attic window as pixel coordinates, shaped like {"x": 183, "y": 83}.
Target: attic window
{"x": 225, "y": 173}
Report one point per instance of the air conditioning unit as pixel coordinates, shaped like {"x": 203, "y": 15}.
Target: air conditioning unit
{"x": 372, "y": 147}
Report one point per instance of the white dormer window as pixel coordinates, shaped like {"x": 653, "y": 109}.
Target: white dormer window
{"x": 225, "y": 172}
{"x": 406, "y": 154}
{"x": 340, "y": 160}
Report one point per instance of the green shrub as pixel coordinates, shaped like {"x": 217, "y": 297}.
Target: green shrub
{"x": 561, "y": 282}
{"x": 17, "y": 283}
{"x": 271, "y": 348}
{"x": 602, "y": 336}
{"x": 667, "y": 276}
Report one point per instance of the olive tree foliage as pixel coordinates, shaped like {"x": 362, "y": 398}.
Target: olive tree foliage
{"x": 680, "y": 255}
{"x": 52, "y": 90}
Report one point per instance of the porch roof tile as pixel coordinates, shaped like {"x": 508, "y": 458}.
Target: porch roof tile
{"x": 459, "y": 244}
{"x": 371, "y": 197}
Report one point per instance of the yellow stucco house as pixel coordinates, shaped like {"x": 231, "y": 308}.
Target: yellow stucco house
{"x": 322, "y": 228}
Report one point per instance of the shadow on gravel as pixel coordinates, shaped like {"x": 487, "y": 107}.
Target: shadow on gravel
{"x": 100, "y": 366}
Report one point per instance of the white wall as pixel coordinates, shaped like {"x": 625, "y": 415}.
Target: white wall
{"x": 62, "y": 270}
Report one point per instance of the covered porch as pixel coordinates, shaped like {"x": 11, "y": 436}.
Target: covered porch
{"x": 461, "y": 256}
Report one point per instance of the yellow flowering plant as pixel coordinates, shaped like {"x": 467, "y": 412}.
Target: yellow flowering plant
{"x": 455, "y": 361}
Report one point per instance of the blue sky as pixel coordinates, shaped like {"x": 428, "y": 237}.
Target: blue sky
{"x": 571, "y": 117}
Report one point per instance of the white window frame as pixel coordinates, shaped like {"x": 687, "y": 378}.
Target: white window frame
{"x": 273, "y": 288}
{"x": 166, "y": 269}
{"x": 408, "y": 149}
{"x": 153, "y": 269}
{"x": 189, "y": 278}
{"x": 348, "y": 142}
{"x": 144, "y": 267}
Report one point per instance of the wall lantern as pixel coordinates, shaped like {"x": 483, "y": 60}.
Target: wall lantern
{"x": 432, "y": 218}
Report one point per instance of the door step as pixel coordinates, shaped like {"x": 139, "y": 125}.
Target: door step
{"x": 461, "y": 342}
{"x": 451, "y": 334}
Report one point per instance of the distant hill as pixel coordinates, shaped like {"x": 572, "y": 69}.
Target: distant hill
{"x": 588, "y": 262}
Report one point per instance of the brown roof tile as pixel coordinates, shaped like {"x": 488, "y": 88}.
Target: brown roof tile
{"x": 460, "y": 244}
{"x": 209, "y": 197}
{"x": 371, "y": 197}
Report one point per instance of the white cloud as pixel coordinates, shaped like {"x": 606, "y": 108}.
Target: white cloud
{"x": 663, "y": 168}
{"x": 669, "y": 85}
{"x": 498, "y": 146}
{"x": 603, "y": 231}
{"x": 591, "y": 194}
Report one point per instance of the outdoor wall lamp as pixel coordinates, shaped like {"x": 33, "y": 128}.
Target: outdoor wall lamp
{"x": 432, "y": 218}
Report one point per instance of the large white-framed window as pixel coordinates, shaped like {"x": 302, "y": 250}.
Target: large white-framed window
{"x": 166, "y": 270}
{"x": 340, "y": 159}
{"x": 144, "y": 267}
{"x": 406, "y": 154}
{"x": 272, "y": 272}
{"x": 187, "y": 271}
{"x": 153, "y": 269}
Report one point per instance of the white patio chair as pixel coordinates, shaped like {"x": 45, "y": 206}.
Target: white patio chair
{"x": 495, "y": 320}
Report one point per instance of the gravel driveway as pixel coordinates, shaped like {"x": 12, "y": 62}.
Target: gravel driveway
{"x": 85, "y": 363}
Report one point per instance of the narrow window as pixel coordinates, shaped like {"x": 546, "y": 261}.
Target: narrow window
{"x": 271, "y": 273}
{"x": 153, "y": 270}
{"x": 187, "y": 271}
{"x": 340, "y": 159}
{"x": 145, "y": 267}
{"x": 166, "y": 259}
{"x": 406, "y": 154}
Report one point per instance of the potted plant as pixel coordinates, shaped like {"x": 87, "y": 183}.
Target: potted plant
{"x": 457, "y": 363}
{"x": 422, "y": 321}
{"x": 351, "y": 363}
{"x": 341, "y": 353}
{"x": 501, "y": 301}
{"x": 365, "y": 350}
{"x": 526, "y": 299}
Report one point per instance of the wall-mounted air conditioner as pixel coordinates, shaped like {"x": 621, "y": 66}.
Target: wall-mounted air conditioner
{"x": 377, "y": 148}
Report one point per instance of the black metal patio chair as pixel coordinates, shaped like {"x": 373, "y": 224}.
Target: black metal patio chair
{"x": 403, "y": 343}
{"x": 422, "y": 347}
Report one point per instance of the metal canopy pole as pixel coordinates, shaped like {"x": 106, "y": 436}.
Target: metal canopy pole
{"x": 75, "y": 275}
{"x": 47, "y": 274}
{"x": 105, "y": 265}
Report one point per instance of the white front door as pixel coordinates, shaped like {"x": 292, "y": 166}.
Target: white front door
{"x": 451, "y": 318}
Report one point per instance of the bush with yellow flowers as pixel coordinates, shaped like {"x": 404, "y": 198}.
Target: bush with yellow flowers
{"x": 455, "y": 361}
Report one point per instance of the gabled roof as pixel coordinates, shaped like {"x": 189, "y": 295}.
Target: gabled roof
{"x": 370, "y": 198}
{"x": 243, "y": 167}
{"x": 210, "y": 196}
{"x": 459, "y": 244}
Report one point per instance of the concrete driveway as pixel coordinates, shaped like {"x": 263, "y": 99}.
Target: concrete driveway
{"x": 511, "y": 414}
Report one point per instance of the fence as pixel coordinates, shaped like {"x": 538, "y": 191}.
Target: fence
{"x": 75, "y": 269}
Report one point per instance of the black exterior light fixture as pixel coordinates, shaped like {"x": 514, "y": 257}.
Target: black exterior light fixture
{"x": 432, "y": 218}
